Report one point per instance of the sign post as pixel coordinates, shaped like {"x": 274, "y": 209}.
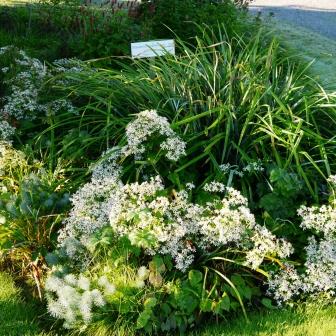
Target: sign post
{"x": 152, "y": 48}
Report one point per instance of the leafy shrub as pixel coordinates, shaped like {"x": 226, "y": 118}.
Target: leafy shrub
{"x": 318, "y": 274}
{"x": 32, "y": 201}
{"x": 65, "y": 30}
{"x": 174, "y": 17}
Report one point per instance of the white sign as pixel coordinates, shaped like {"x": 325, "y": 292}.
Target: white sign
{"x": 152, "y": 48}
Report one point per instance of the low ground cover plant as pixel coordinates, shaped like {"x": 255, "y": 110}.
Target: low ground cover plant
{"x": 32, "y": 202}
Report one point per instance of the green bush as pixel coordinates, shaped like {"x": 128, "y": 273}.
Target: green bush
{"x": 63, "y": 29}
{"x": 32, "y": 201}
{"x": 52, "y": 31}
{"x": 170, "y": 18}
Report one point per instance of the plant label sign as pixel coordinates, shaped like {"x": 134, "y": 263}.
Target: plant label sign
{"x": 152, "y": 48}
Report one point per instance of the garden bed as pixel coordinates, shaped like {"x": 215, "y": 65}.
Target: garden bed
{"x": 150, "y": 197}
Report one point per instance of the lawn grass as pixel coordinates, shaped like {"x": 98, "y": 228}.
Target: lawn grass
{"x": 311, "y": 47}
{"x": 18, "y": 318}
{"x": 310, "y": 321}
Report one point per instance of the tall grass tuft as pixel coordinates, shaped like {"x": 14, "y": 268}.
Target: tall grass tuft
{"x": 232, "y": 101}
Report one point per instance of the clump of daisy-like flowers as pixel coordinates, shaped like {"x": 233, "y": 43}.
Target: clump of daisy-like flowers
{"x": 319, "y": 275}
{"x": 155, "y": 218}
{"x": 148, "y": 124}
{"x": 25, "y": 79}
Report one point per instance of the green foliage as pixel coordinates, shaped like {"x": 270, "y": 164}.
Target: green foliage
{"x": 170, "y": 18}
{"x": 50, "y": 29}
{"x": 235, "y": 102}
{"x": 32, "y": 201}
{"x": 17, "y": 316}
{"x": 232, "y": 102}
{"x": 64, "y": 30}
{"x": 287, "y": 192}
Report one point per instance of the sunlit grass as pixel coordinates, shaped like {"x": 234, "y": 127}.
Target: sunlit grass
{"x": 311, "y": 321}
{"x": 16, "y": 2}
{"x": 310, "y": 46}
{"x": 17, "y": 318}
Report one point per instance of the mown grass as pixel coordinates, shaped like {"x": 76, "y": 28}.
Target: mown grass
{"x": 19, "y": 318}
{"x": 311, "y": 47}
{"x": 16, "y": 316}
{"x": 310, "y": 321}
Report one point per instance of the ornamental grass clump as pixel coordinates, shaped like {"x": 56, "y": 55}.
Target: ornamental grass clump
{"x": 234, "y": 102}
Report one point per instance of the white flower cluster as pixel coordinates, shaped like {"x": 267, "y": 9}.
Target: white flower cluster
{"x": 91, "y": 206}
{"x": 253, "y": 166}
{"x": 24, "y": 101}
{"x": 332, "y": 180}
{"x": 72, "y": 65}
{"x": 319, "y": 274}
{"x": 266, "y": 244}
{"x": 231, "y": 169}
{"x": 214, "y": 187}
{"x": 320, "y": 267}
{"x": 321, "y": 219}
{"x": 285, "y": 285}
{"x": 177, "y": 227}
{"x": 73, "y": 298}
{"x": 6, "y": 131}
{"x": 147, "y": 124}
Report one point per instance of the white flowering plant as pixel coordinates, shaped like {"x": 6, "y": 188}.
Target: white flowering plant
{"x": 195, "y": 258}
{"x": 187, "y": 212}
{"x": 30, "y": 97}
{"x": 317, "y": 275}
